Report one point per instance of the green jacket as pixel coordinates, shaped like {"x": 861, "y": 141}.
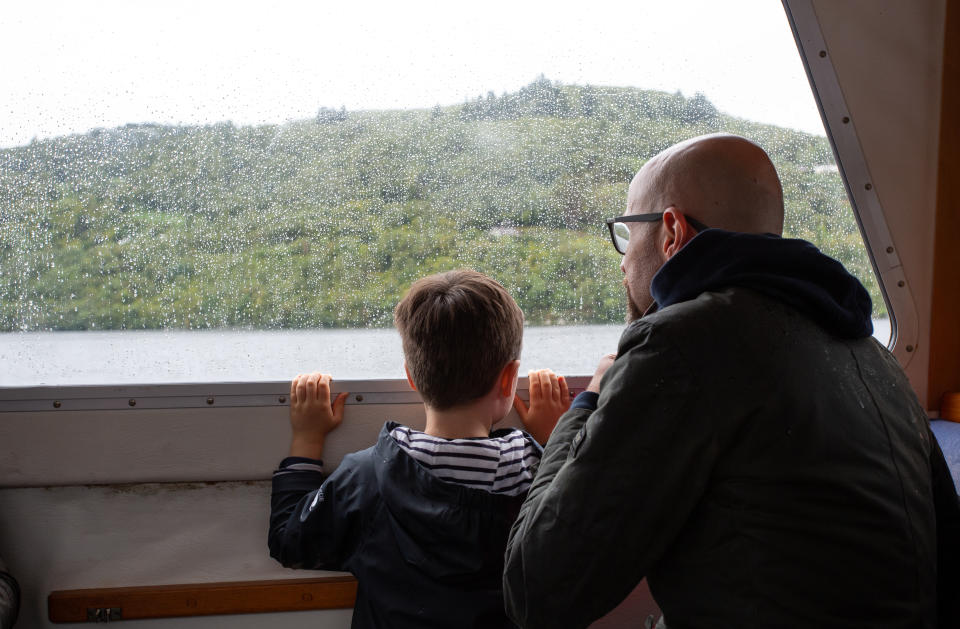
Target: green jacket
{"x": 757, "y": 469}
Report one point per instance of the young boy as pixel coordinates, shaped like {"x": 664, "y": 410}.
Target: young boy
{"x": 421, "y": 518}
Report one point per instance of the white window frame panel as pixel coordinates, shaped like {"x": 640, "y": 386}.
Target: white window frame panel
{"x": 214, "y": 395}
{"x": 848, "y": 153}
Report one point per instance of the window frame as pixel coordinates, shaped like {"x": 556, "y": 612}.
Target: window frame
{"x": 213, "y": 395}
{"x": 867, "y": 210}
{"x": 864, "y": 202}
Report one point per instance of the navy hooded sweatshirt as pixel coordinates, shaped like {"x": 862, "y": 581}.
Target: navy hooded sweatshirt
{"x": 788, "y": 270}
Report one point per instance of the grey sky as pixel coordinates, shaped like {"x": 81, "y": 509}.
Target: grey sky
{"x": 73, "y": 66}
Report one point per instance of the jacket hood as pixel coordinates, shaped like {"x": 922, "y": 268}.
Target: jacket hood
{"x": 788, "y": 270}
{"x": 448, "y": 531}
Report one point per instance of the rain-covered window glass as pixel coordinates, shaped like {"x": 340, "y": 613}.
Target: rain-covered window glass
{"x": 203, "y": 192}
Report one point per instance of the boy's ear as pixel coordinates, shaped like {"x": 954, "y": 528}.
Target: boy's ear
{"x": 409, "y": 379}
{"x": 508, "y": 379}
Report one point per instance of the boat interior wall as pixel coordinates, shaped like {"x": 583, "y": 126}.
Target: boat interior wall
{"x": 887, "y": 56}
{"x": 166, "y": 446}
{"x": 68, "y": 538}
{"x": 154, "y": 497}
{"x": 945, "y": 333}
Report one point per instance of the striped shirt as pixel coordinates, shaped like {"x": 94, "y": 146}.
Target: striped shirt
{"x": 292, "y": 465}
{"x": 501, "y": 465}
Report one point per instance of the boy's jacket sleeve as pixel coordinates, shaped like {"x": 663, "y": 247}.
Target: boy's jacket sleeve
{"x": 315, "y": 523}
{"x": 604, "y": 504}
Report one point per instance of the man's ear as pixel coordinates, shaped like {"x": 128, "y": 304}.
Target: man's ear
{"x": 508, "y": 379}
{"x": 678, "y": 232}
{"x": 409, "y": 379}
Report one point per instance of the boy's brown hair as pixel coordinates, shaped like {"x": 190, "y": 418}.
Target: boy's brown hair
{"x": 459, "y": 330}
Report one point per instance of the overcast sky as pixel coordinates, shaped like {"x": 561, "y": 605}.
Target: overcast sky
{"x": 73, "y": 66}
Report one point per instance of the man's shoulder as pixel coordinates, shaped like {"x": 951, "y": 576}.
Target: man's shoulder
{"x": 724, "y": 330}
{"x": 730, "y": 301}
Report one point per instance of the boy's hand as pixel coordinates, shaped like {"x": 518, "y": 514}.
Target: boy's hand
{"x": 549, "y": 399}
{"x": 312, "y": 415}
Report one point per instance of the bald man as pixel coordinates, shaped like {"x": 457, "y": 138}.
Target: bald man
{"x": 750, "y": 449}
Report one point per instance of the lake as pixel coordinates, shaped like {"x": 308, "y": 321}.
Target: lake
{"x": 166, "y": 356}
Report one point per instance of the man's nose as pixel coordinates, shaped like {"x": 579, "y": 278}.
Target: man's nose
{"x": 622, "y": 268}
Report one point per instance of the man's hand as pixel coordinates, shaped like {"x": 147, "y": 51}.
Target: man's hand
{"x": 605, "y": 363}
{"x": 549, "y": 399}
{"x": 312, "y": 416}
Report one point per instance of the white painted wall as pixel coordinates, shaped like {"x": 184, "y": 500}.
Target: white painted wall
{"x": 148, "y": 534}
{"x": 168, "y": 445}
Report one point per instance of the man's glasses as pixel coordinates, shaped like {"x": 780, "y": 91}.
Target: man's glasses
{"x": 620, "y": 232}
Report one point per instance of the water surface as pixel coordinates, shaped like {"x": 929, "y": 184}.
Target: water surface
{"x": 167, "y": 356}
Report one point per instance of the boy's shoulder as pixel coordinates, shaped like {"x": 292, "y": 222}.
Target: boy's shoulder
{"x": 374, "y": 457}
{"x": 365, "y": 460}
{"x": 399, "y": 466}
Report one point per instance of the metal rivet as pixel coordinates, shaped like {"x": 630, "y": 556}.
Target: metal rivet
{"x": 846, "y": 119}
{"x": 889, "y": 249}
{"x": 132, "y": 402}
{"x": 823, "y": 53}
{"x": 868, "y": 187}
{"x": 909, "y": 348}
{"x": 901, "y": 283}
{"x": 282, "y": 399}
{"x": 209, "y": 400}
{"x": 358, "y": 398}
{"x": 56, "y": 404}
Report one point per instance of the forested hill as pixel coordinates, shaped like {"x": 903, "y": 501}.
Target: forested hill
{"x": 325, "y": 222}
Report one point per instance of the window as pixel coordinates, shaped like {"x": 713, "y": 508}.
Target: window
{"x": 195, "y": 193}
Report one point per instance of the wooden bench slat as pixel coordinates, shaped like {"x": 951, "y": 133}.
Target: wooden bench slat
{"x": 202, "y": 599}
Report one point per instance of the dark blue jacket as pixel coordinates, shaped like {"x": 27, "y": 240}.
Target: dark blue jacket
{"x": 426, "y": 553}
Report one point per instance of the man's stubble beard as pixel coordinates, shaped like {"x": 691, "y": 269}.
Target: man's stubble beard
{"x": 644, "y": 264}
{"x": 634, "y": 311}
